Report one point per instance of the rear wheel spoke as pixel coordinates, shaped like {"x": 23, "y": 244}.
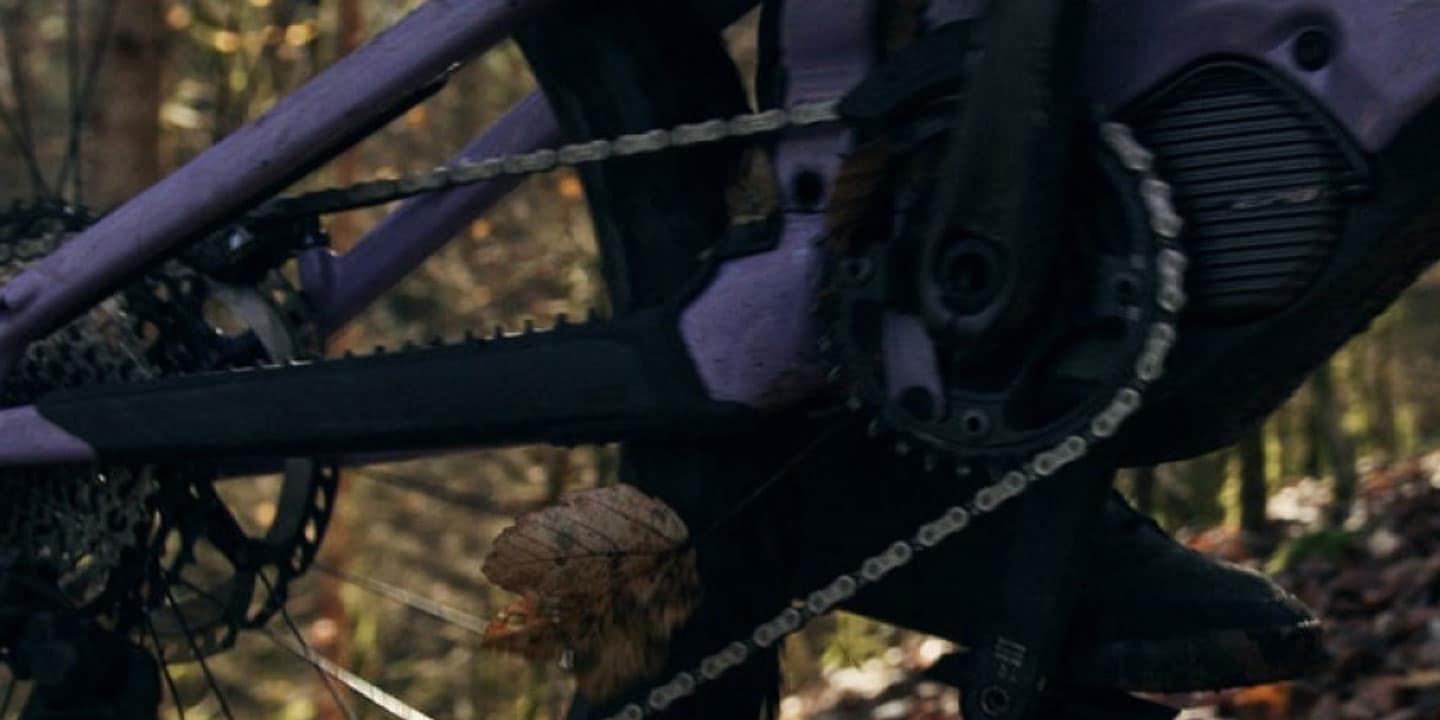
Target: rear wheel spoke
{"x": 83, "y": 95}
{"x": 199, "y": 655}
{"x": 32, "y": 164}
{"x": 165, "y": 668}
{"x": 9, "y": 696}
{"x": 444, "y": 613}
{"x": 301, "y": 649}
{"x": 360, "y": 686}
{"x": 72, "y": 85}
{"x": 299, "y": 638}
{"x": 18, "y": 124}
{"x": 477, "y": 502}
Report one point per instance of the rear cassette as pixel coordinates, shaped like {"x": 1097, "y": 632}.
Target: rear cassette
{"x": 152, "y": 550}
{"x": 69, "y": 533}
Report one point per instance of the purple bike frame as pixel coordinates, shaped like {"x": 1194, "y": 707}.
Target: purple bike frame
{"x": 1387, "y": 67}
{"x": 235, "y": 174}
{"x": 339, "y": 286}
{"x": 241, "y": 170}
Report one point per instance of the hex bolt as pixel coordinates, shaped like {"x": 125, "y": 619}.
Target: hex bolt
{"x": 1313, "y": 49}
{"x": 994, "y": 701}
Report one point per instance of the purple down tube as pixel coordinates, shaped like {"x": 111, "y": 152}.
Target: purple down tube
{"x": 227, "y": 179}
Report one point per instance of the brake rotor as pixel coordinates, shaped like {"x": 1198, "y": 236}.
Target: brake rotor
{"x": 212, "y": 576}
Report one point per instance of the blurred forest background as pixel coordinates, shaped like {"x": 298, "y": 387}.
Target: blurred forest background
{"x": 1306, "y": 489}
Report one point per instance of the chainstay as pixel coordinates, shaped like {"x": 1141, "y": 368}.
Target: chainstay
{"x": 469, "y": 172}
{"x": 1170, "y": 262}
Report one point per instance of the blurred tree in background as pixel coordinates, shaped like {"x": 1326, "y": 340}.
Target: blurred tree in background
{"x": 180, "y": 74}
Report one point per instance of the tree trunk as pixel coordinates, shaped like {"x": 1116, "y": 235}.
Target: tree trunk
{"x": 1383, "y": 424}
{"x": 19, "y": 104}
{"x": 337, "y": 550}
{"x": 1289, "y": 443}
{"x": 1338, "y": 449}
{"x": 122, "y": 152}
{"x": 1145, "y": 480}
{"x": 1313, "y": 459}
{"x": 1201, "y": 481}
{"x": 351, "y": 29}
{"x": 1252, "y": 480}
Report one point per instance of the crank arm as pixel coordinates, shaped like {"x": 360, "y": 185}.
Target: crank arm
{"x": 594, "y": 382}
{"x": 1049, "y": 547}
{"x": 1009, "y": 151}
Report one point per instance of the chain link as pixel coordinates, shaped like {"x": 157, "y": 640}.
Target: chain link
{"x": 469, "y": 172}
{"x": 1169, "y": 263}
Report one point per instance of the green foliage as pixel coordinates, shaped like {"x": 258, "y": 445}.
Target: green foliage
{"x": 1324, "y": 544}
{"x": 854, "y": 640}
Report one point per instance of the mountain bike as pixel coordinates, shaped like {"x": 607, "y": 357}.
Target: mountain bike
{"x": 1015, "y": 246}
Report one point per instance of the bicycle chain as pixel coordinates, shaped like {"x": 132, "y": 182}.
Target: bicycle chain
{"x": 1169, "y": 262}
{"x": 469, "y": 172}
{"x": 1169, "y": 265}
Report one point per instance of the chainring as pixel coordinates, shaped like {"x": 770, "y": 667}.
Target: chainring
{"x": 1109, "y": 299}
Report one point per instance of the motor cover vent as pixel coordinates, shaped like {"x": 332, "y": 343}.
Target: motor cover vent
{"x": 1260, "y": 177}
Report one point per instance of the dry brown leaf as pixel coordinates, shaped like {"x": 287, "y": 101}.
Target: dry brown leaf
{"x": 583, "y": 542}
{"x": 525, "y": 629}
{"x": 607, "y": 574}
{"x": 860, "y": 176}
{"x": 1420, "y": 679}
{"x": 755, "y": 193}
{"x": 1264, "y": 701}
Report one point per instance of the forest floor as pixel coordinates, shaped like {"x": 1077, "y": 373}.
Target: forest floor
{"x": 1375, "y": 583}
